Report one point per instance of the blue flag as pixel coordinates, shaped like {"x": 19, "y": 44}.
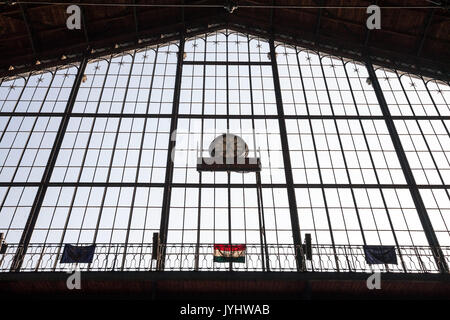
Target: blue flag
{"x": 380, "y": 254}
{"x": 74, "y": 254}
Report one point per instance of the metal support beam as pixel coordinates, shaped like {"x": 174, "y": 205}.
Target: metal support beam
{"x": 287, "y": 161}
{"x": 34, "y": 212}
{"x": 220, "y": 116}
{"x": 26, "y": 19}
{"x": 372, "y": 162}
{"x": 319, "y": 18}
{"x": 367, "y": 38}
{"x": 425, "y": 31}
{"x": 327, "y": 44}
{"x": 199, "y": 210}
{"x": 329, "y": 16}
{"x": 417, "y": 198}
{"x": 85, "y": 28}
{"x": 222, "y": 185}
{"x": 171, "y": 148}
{"x": 272, "y": 14}
{"x": 262, "y": 225}
{"x": 136, "y": 21}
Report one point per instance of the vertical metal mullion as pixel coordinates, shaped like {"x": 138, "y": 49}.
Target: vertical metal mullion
{"x": 15, "y": 107}
{"x": 140, "y": 155}
{"x": 420, "y": 129}
{"x": 20, "y": 159}
{"x": 199, "y": 209}
{"x": 171, "y": 148}
{"x": 318, "y": 166}
{"x": 32, "y": 129}
{"x": 417, "y": 198}
{"x": 262, "y": 225}
{"x": 112, "y": 156}
{"x": 345, "y": 164}
{"x": 133, "y": 197}
{"x": 421, "y": 132}
{"x": 112, "y": 160}
{"x": 443, "y": 124}
{"x": 259, "y": 194}
{"x": 437, "y": 110}
{"x": 375, "y": 171}
{"x": 287, "y": 161}
{"x": 114, "y": 149}
{"x": 230, "y": 264}
{"x": 343, "y": 157}
{"x": 84, "y": 161}
{"x": 340, "y": 141}
{"x": 32, "y": 217}
{"x": 103, "y": 137}
{"x": 182, "y": 245}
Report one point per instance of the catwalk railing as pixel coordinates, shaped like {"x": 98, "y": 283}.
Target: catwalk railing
{"x": 183, "y": 257}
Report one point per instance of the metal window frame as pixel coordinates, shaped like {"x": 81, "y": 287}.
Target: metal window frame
{"x": 281, "y": 117}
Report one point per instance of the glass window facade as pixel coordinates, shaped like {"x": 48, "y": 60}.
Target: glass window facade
{"x": 114, "y": 160}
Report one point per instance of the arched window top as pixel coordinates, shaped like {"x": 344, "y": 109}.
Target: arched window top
{"x": 226, "y": 45}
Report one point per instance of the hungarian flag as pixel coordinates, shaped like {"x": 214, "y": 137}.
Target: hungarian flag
{"x": 229, "y": 253}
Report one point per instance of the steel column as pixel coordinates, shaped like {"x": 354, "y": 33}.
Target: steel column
{"x": 218, "y": 116}
{"x": 287, "y": 161}
{"x": 417, "y": 198}
{"x": 372, "y": 162}
{"x": 318, "y": 165}
{"x": 23, "y": 9}
{"x": 34, "y": 212}
{"x": 199, "y": 210}
{"x": 171, "y": 148}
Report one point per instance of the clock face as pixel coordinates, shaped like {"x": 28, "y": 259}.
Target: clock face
{"x": 228, "y": 146}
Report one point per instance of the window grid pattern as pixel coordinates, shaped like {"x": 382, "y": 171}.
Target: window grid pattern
{"x": 15, "y": 204}
{"x": 353, "y": 149}
{"x": 226, "y": 45}
{"x": 46, "y": 92}
{"x": 422, "y": 106}
{"x": 104, "y": 148}
{"x": 107, "y": 185}
{"x": 25, "y": 147}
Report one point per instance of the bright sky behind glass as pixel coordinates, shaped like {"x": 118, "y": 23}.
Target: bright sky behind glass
{"x": 349, "y": 185}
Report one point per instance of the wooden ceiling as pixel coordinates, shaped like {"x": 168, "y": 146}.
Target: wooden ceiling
{"x": 408, "y": 36}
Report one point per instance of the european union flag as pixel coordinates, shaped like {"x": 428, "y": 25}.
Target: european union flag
{"x": 75, "y": 254}
{"x": 380, "y": 254}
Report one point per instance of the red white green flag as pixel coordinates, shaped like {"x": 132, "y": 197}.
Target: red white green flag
{"x": 229, "y": 253}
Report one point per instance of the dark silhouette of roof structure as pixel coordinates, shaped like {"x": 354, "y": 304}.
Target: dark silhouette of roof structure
{"x": 413, "y": 33}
